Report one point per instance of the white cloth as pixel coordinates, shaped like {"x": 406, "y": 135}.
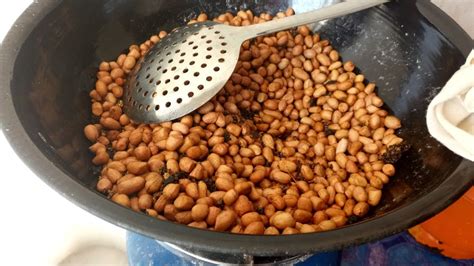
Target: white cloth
{"x": 450, "y": 115}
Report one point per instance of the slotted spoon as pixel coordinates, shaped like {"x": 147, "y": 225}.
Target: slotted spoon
{"x": 191, "y": 64}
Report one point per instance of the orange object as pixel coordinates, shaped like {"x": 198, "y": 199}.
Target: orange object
{"x": 452, "y": 230}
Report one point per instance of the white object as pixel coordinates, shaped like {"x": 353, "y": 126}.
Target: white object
{"x": 450, "y": 115}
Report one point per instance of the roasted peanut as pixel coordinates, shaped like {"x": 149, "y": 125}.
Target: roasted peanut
{"x": 249, "y": 218}
{"x": 242, "y": 205}
{"x": 255, "y": 228}
{"x": 131, "y": 185}
{"x": 145, "y": 201}
{"x": 171, "y": 191}
{"x": 212, "y": 216}
{"x": 280, "y": 177}
{"x": 121, "y": 199}
{"x": 199, "y": 212}
{"x": 192, "y": 190}
{"x": 224, "y": 220}
{"x": 282, "y": 220}
{"x": 104, "y": 184}
{"x": 374, "y": 197}
{"x": 327, "y": 225}
{"x": 290, "y": 145}
{"x": 183, "y": 203}
{"x": 271, "y": 231}
{"x": 392, "y": 122}
{"x": 360, "y": 209}
{"x": 100, "y": 158}
{"x": 91, "y": 132}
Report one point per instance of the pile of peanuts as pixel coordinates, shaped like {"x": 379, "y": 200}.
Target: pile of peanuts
{"x": 293, "y": 143}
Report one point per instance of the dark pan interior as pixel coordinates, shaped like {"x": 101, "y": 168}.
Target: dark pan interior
{"x": 393, "y": 46}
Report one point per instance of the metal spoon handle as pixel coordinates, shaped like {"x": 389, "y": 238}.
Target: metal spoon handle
{"x": 332, "y": 11}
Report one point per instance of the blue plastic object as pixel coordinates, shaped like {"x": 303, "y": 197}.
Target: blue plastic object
{"x": 400, "y": 249}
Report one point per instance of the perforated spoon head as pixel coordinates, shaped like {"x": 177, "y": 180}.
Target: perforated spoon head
{"x": 181, "y": 72}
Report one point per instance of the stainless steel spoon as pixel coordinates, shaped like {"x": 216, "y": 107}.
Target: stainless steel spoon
{"x": 191, "y": 64}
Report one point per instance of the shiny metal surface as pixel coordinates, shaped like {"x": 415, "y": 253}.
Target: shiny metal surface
{"x": 192, "y": 63}
{"x": 215, "y": 258}
{"x": 181, "y": 72}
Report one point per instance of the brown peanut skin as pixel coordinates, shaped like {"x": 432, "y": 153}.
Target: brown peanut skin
{"x": 131, "y": 186}
{"x": 91, "y": 132}
{"x": 224, "y": 220}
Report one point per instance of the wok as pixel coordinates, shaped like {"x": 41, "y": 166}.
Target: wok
{"x": 50, "y": 57}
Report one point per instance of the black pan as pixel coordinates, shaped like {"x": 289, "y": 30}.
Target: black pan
{"x": 49, "y": 59}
